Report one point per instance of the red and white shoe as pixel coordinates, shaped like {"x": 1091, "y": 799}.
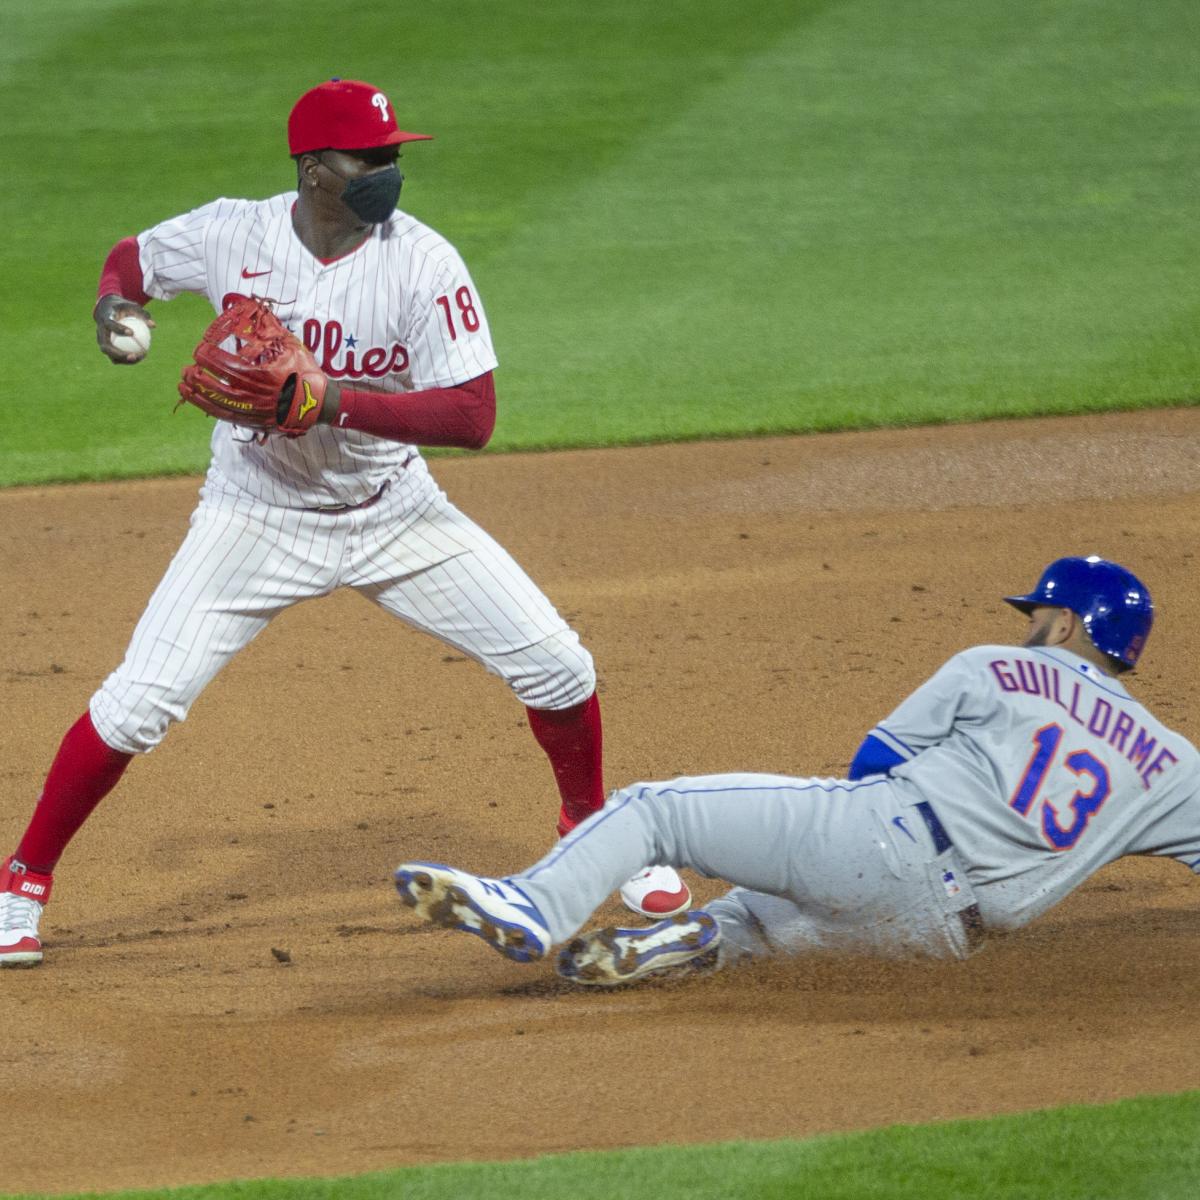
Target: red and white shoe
{"x": 656, "y": 892}
{"x": 23, "y": 896}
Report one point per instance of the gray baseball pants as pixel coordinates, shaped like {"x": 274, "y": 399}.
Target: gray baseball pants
{"x": 820, "y": 864}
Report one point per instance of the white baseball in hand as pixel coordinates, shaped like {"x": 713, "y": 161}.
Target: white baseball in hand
{"x": 138, "y": 343}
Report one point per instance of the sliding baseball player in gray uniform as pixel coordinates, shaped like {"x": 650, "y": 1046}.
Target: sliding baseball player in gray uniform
{"x": 986, "y": 797}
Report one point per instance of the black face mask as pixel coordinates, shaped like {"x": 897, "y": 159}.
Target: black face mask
{"x": 373, "y": 197}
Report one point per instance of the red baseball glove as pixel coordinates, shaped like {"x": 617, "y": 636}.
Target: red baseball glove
{"x": 269, "y": 381}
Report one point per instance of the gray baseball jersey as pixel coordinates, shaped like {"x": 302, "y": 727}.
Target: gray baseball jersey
{"x": 1043, "y": 769}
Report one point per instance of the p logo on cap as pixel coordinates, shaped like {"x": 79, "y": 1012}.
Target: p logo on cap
{"x": 345, "y": 114}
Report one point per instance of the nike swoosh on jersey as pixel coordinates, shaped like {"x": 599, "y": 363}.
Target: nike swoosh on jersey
{"x": 247, "y": 274}
{"x": 904, "y": 829}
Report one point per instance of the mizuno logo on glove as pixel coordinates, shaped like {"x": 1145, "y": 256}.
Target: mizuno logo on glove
{"x": 307, "y": 404}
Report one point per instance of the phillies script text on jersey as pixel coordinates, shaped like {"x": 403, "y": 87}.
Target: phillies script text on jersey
{"x": 1111, "y": 724}
{"x": 324, "y": 339}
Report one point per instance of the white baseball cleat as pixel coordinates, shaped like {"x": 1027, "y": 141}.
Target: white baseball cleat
{"x": 23, "y": 896}
{"x": 492, "y": 909}
{"x": 611, "y": 957}
{"x": 656, "y": 892}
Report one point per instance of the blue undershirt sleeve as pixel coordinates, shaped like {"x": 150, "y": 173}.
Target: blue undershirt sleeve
{"x": 873, "y": 758}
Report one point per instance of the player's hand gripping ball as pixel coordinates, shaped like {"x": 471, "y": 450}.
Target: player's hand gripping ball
{"x": 269, "y": 380}
{"x": 138, "y": 341}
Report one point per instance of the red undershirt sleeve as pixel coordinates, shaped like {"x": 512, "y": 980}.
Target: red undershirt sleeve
{"x": 121, "y": 274}
{"x": 462, "y": 416}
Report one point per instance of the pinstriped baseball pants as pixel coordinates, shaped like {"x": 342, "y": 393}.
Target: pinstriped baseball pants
{"x": 413, "y": 553}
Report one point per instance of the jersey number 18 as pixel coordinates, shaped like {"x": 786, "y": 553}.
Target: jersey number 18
{"x": 466, "y": 311}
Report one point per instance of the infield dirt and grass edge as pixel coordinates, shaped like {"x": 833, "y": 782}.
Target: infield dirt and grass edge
{"x": 1137, "y": 1149}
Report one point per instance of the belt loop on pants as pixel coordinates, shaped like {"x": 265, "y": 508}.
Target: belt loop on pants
{"x": 937, "y": 831}
{"x": 971, "y": 917}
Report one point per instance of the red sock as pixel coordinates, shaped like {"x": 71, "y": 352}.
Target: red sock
{"x": 573, "y": 741}
{"x": 84, "y": 771}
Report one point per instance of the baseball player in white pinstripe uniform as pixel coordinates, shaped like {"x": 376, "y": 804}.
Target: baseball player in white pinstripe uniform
{"x": 392, "y": 316}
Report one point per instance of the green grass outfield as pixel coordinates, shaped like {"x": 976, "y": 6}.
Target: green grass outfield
{"x": 689, "y": 220}
{"x": 686, "y": 220}
{"x": 1135, "y": 1150}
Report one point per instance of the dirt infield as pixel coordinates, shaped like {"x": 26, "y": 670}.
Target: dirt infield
{"x": 751, "y": 606}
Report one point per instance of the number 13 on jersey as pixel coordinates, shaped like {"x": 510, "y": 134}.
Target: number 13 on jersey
{"x": 1085, "y": 803}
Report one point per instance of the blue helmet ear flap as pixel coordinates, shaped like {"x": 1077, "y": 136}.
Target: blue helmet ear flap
{"x": 1113, "y": 604}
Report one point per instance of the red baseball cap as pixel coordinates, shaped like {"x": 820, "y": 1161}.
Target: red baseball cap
{"x": 345, "y": 114}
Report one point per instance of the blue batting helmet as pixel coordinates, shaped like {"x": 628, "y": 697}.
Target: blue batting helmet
{"x": 1113, "y": 603}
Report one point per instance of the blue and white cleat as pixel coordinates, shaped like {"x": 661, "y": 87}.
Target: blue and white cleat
{"x": 492, "y": 909}
{"x": 612, "y": 957}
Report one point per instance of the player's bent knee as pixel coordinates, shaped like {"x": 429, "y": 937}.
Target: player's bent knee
{"x": 558, "y": 673}
{"x": 133, "y": 725}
